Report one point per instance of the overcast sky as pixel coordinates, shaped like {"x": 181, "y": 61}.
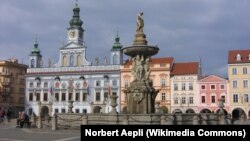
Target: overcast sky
{"x": 183, "y": 29}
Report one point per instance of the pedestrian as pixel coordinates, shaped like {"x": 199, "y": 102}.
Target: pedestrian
{"x": 9, "y": 112}
{"x": 18, "y": 121}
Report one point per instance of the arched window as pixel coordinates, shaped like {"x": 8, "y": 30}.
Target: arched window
{"x": 78, "y": 60}
{"x": 71, "y": 62}
{"x": 32, "y": 63}
{"x": 64, "y": 63}
{"x": 115, "y": 59}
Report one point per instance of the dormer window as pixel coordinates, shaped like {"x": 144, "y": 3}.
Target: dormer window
{"x": 238, "y": 57}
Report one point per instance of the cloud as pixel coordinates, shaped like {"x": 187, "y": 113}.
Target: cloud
{"x": 185, "y": 30}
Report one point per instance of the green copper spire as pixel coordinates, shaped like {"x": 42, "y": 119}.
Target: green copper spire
{"x": 35, "y": 50}
{"x": 76, "y": 21}
{"x": 117, "y": 44}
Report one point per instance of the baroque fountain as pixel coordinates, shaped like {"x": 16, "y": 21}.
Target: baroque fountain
{"x": 141, "y": 93}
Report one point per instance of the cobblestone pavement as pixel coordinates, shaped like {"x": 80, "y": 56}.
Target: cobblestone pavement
{"x": 9, "y": 132}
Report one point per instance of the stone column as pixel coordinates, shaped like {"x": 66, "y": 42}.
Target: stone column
{"x": 126, "y": 120}
{"x": 40, "y": 124}
{"x": 196, "y": 120}
{"x": 50, "y": 108}
{"x": 85, "y": 120}
{"x": 163, "y": 120}
{"x": 33, "y": 120}
{"x": 54, "y": 122}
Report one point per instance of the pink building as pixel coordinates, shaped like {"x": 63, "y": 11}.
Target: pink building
{"x": 212, "y": 88}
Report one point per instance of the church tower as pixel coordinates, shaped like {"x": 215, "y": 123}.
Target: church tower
{"x": 116, "y": 52}
{"x": 35, "y": 60}
{"x": 73, "y": 54}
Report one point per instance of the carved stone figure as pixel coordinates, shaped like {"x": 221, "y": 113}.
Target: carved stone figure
{"x": 146, "y": 68}
{"x": 140, "y": 23}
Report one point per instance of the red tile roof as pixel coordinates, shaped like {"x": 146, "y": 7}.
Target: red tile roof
{"x": 232, "y": 56}
{"x": 185, "y": 68}
{"x": 167, "y": 60}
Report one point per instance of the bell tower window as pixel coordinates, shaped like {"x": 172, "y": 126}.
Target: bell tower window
{"x": 71, "y": 64}
{"x": 78, "y": 60}
{"x": 32, "y": 63}
{"x": 115, "y": 59}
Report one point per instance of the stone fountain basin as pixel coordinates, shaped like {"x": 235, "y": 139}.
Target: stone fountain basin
{"x": 145, "y": 50}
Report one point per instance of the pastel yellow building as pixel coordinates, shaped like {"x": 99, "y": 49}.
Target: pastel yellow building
{"x": 160, "y": 74}
{"x": 239, "y": 79}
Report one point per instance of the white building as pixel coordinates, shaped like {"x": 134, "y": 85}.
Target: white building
{"x": 50, "y": 88}
{"x": 184, "y": 87}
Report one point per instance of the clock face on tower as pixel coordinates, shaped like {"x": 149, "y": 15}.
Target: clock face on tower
{"x": 72, "y": 34}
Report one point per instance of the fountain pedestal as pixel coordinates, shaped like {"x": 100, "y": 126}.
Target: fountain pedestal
{"x": 141, "y": 93}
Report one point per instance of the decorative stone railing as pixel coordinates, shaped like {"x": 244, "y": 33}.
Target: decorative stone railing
{"x": 73, "y": 69}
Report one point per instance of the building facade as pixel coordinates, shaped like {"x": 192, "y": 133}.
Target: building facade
{"x": 12, "y": 85}
{"x": 184, "y": 89}
{"x": 73, "y": 80}
{"x": 239, "y": 79}
{"x": 211, "y": 89}
{"x": 160, "y": 74}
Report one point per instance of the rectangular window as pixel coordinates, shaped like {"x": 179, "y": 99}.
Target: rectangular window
{"x": 235, "y": 84}
{"x": 234, "y": 71}
{"x": 191, "y": 87}
{"x": 56, "y": 110}
{"x": 175, "y": 100}
{"x": 77, "y": 111}
{"x": 191, "y": 100}
{"x": 31, "y": 97}
{"x": 114, "y": 83}
{"x": 98, "y": 83}
{"x": 31, "y": 85}
{"x": 114, "y": 93}
{"x": 163, "y": 96}
{"x": 203, "y": 99}
{"x": 223, "y": 98}
{"x": 97, "y": 96}
{"x": 106, "y": 83}
{"x": 245, "y": 83}
{"x": 163, "y": 82}
{"x": 106, "y": 94}
{"x": 126, "y": 84}
{"x": 212, "y": 87}
{"x": 246, "y": 98}
{"x": 183, "y": 86}
{"x": 222, "y": 87}
{"x": 213, "y": 99}
{"x": 84, "y": 96}
{"x": 203, "y": 87}
{"x": 70, "y": 96}
{"x": 183, "y": 100}
{"x": 176, "y": 87}
{"x": 45, "y": 85}
{"x": 63, "y": 96}
{"x": 63, "y": 111}
{"x": 37, "y": 96}
{"x": 245, "y": 70}
{"x": 235, "y": 98}
{"x": 84, "y": 111}
{"x": 77, "y": 96}
{"x": 38, "y": 85}
{"x": 57, "y": 96}
{"x": 45, "y": 97}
